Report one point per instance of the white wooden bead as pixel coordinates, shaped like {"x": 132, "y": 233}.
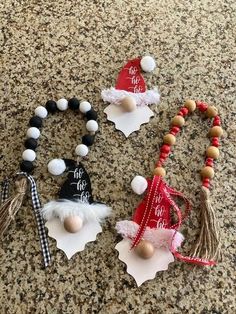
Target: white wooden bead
{"x": 148, "y": 64}
{"x": 84, "y": 106}
{"x": 33, "y": 132}
{"x": 29, "y": 155}
{"x": 62, "y": 104}
{"x": 41, "y": 112}
{"x": 56, "y": 166}
{"x": 81, "y": 150}
{"x": 92, "y": 126}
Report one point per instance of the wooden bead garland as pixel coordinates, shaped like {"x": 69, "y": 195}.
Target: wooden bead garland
{"x": 36, "y": 122}
{"x": 212, "y": 151}
{"x": 208, "y": 243}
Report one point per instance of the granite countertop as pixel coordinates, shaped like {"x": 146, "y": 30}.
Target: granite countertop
{"x": 75, "y": 48}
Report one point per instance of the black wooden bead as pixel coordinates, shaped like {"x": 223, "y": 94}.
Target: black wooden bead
{"x": 73, "y": 103}
{"x": 88, "y": 140}
{"x": 31, "y": 143}
{"x": 51, "y": 106}
{"x": 91, "y": 115}
{"x": 26, "y": 166}
{"x": 36, "y": 122}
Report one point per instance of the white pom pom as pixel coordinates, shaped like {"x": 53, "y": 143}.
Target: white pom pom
{"x": 139, "y": 185}
{"x": 84, "y": 106}
{"x": 56, "y": 166}
{"x": 29, "y": 155}
{"x": 62, "y": 104}
{"x": 33, "y": 132}
{"x": 81, "y": 150}
{"x": 92, "y": 126}
{"x": 41, "y": 112}
{"x": 148, "y": 64}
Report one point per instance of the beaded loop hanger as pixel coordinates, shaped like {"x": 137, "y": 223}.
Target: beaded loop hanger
{"x": 11, "y": 205}
{"x": 151, "y": 229}
{"x": 36, "y": 122}
{"x": 208, "y": 245}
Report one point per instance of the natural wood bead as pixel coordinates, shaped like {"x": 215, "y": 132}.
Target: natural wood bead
{"x": 128, "y": 103}
{"x": 212, "y": 152}
{"x": 211, "y": 112}
{"x": 169, "y": 139}
{"x": 207, "y": 172}
{"x": 178, "y": 120}
{"x": 159, "y": 171}
{"x": 190, "y": 105}
{"x": 145, "y": 249}
{"x": 216, "y": 131}
{"x": 73, "y": 224}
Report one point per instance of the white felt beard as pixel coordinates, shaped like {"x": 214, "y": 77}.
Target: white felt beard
{"x": 128, "y": 122}
{"x": 91, "y": 215}
{"x": 142, "y": 269}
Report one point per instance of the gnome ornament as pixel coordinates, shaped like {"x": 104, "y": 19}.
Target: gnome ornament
{"x": 150, "y": 239}
{"x": 130, "y": 98}
{"x": 74, "y": 219}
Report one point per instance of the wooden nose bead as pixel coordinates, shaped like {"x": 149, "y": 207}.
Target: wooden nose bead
{"x": 178, "y": 121}
{"x": 128, "y": 103}
{"x": 169, "y": 139}
{"x": 211, "y": 112}
{"x": 207, "y": 172}
{"x": 190, "y": 105}
{"x": 145, "y": 249}
{"x": 73, "y": 224}
{"x": 216, "y": 131}
{"x": 212, "y": 152}
{"x": 159, "y": 171}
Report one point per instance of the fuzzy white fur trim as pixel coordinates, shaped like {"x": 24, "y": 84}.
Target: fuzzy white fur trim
{"x": 159, "y": 237}
{"x": 64, "y": 208}
{"x": 114, "y": 96}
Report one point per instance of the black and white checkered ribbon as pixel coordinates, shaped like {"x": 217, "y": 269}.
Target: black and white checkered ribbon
{"x": 39, "y": 219}
{"x": 5, "y": 190}
{"x": 37, "y": 212}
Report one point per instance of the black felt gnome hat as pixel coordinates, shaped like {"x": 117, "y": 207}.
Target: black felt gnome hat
{"x": 78, "y": 185}
{"x": 75, "y": 197}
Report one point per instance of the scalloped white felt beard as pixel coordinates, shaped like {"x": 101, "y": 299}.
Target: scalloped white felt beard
{"x": 128, "y": 122}
{"x": 91, "y": 214}
{"x": 136, "y": 265}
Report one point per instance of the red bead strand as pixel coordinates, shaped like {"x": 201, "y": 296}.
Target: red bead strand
{"x": 174, "y": 130}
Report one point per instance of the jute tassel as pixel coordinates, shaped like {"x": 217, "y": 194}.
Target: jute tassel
{"x": 208, "y": 244}
{"x": 11, "y": 206}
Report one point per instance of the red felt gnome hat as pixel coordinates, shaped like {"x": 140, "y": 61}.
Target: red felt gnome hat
{"x": 130, "y": 78}
{"x": 130, "y": 82}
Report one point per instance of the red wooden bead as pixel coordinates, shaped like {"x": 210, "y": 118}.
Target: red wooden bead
{"x": 165, "y": 148}
{"x": 180, "y": 113}
{"x": 202, "y": 106}
{"x": 206, "y": 182}
{"x": 159, "y": 163}
{"x": 209, "y": 162}
{"x": 184, "y": 111}
{"x": 174, "y": 130}
{"x": 216, "y": 121}
{"x": 215, "y": 141}
{"x": 163, "y": 155}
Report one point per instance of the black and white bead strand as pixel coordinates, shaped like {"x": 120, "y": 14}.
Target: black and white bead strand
{"x": 36, "y": 122}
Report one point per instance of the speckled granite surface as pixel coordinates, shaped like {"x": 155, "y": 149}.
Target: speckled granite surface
{"x": 65, "y": 48}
